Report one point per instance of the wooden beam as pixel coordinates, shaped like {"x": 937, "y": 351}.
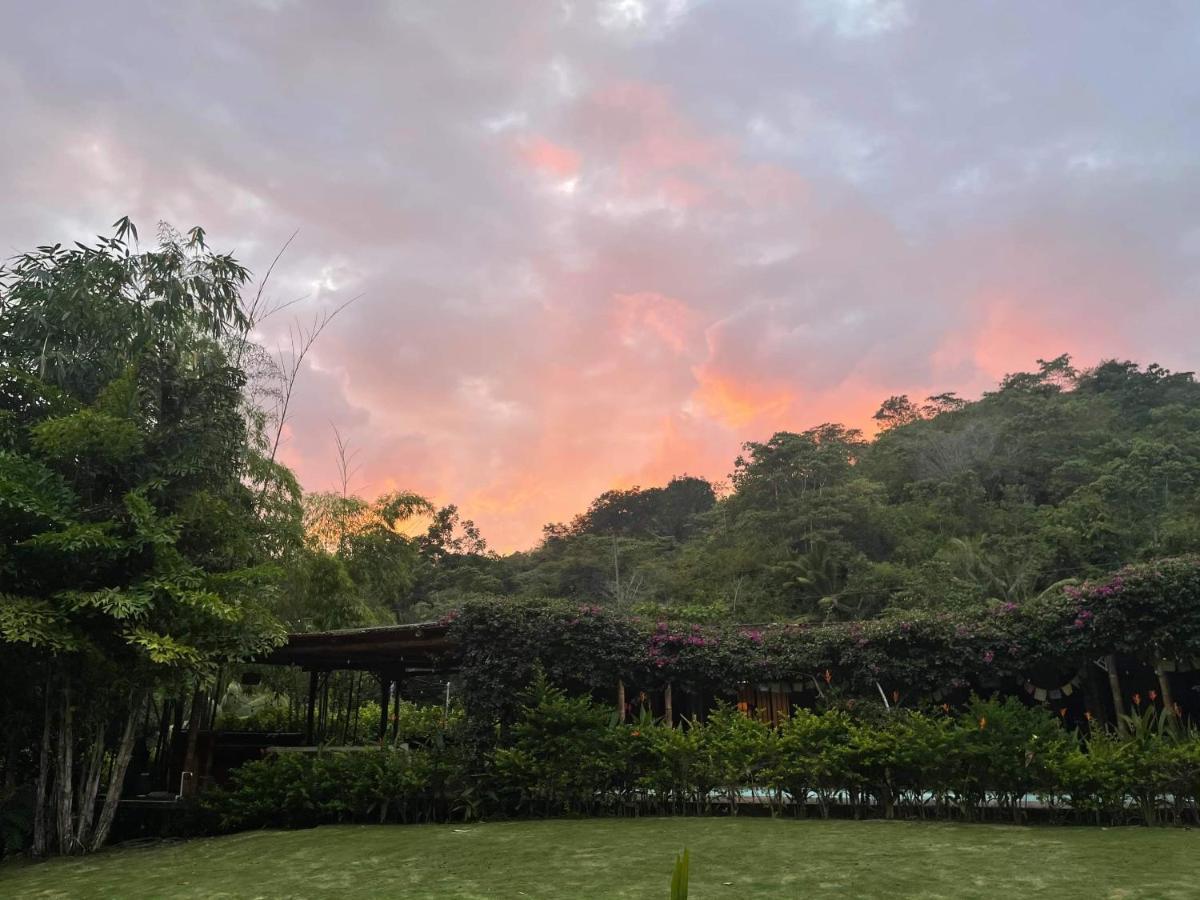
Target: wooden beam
{"x": 620, "y": 700}
{"x": 668, "y": 707}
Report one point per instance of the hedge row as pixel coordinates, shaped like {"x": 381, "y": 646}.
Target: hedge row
{"x": 568, "y": 756}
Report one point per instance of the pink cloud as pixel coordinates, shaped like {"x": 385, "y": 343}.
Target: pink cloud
{"x": 548, "y": 157}
{"x": 592, "y": 256}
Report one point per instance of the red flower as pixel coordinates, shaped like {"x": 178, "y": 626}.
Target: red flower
{"x": 1153, "y": 695}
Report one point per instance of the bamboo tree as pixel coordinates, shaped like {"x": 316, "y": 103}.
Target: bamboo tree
{"x": 137, "y": 544}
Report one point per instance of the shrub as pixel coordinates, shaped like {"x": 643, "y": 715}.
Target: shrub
{"x": 1006, "y": 750}
{"x": 569, "y": 756}
{"x": 563, "y": 754}
{"x": 738, "y": 752}
{"x": 813, "y": 756}
{"x": 1094, "y": 777}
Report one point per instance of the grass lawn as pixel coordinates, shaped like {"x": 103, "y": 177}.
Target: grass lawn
{"x": 610, "y": 858}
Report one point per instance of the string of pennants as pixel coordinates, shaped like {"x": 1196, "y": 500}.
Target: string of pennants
{"x": 1063, "y": 690}
{"x": 1182, "y": 665}
{"x": 1041, "y": 694}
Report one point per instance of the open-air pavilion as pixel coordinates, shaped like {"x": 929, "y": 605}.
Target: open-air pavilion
{"x": 394, "y": 655}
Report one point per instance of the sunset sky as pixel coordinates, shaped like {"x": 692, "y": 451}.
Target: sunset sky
{"x": 602, "y": 243}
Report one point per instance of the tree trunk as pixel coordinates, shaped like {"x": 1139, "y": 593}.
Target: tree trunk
{"x": 137, "y": 701}
{"x": 160, "y": 743}
{"x": 66, "y": 765}
{"x": 1114, "y": 684}
{"x": 188, "y": 777}
{"x": 1164, "y": 683}
{"x": 89, "y": 785}
{"x": 41, "y": 839}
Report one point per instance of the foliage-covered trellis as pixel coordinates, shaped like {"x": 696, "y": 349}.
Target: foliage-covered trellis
{"x": 1151, "y": 612}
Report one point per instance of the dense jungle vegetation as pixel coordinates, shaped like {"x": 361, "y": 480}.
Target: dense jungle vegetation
{"x": 149, "y": 536}
{"x": 1057, "y": 474}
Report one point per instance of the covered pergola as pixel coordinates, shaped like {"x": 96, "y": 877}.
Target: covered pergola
{"x": 393, "y": 654}
{"x": 398, "y": 655}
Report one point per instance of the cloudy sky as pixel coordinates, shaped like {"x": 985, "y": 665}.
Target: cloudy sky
{"x": 601, "y": 243}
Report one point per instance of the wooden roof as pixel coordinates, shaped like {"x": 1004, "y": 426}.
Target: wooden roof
{"x": 420, "y": 647}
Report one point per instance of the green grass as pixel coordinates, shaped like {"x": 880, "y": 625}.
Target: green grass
{"x": 618, "y": 858}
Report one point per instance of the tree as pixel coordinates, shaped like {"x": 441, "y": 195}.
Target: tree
{"x": 895, "y": 411}
{"x": 132, "y": 550}
{"x": 368, "y": 542}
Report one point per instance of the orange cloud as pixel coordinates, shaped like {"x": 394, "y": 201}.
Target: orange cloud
{"x": 738, "y": 402}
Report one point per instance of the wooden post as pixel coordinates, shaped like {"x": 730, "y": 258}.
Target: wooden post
{"x": 385, "y": 695}
{"x": 312, "y": 707}
{"x": 350, "y": 705}
{"x": 398, "y": 691}
{"x": 1164, "y": 683}
{"x": 620, "y": 700}
{"x": 323, "y": 708}
{"x": 668, "y": 708}
{"x": 1114, "y": 684}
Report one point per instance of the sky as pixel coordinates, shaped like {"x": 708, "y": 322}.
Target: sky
{"x": 598, "y": 244}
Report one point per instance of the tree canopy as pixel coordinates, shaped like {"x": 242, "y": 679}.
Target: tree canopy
{"x": 135, "y": 546}
{"x": 1056, "y": 474}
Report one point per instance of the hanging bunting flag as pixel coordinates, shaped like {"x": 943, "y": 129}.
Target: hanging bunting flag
{"x": 1063, "y": 690}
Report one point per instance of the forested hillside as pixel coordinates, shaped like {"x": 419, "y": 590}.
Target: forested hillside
{"x": 1056, "y": 474}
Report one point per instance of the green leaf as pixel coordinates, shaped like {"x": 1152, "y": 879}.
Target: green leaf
{"x": 38, "y": 623}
